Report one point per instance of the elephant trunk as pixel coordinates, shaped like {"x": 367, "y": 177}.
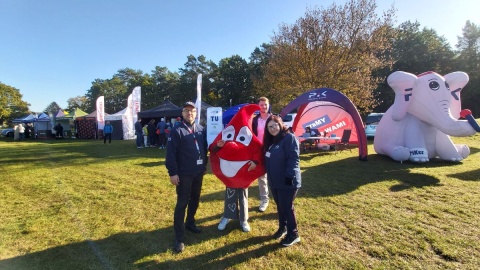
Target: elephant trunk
{"x": 456, "y": 128}
{"x": 467, "y": 114}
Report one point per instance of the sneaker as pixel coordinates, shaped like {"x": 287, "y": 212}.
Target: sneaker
{"x": 281, "y": 232}
{"x": 290, "y": 239}
{"x": 245, "y": 226}
{"x": 179, "y": 246}
{"x": 223, "y": 223}
{"x": 263, "y": 206}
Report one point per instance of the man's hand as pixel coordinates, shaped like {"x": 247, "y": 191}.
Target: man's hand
{"x": 175, "y": 180}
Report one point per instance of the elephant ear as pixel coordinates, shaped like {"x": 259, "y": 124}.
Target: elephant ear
{"x": 402, "y": 84}
{"x": 456, "y": 81}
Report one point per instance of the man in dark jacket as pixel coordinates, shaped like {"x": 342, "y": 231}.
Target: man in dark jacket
{"x": 139, "y": 132}
{"x": 186, "y": 164}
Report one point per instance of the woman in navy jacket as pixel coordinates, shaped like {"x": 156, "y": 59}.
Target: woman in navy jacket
{"x": 282, "y": 161}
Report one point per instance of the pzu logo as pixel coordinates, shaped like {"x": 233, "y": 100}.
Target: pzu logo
{"x": 316, "y": 95}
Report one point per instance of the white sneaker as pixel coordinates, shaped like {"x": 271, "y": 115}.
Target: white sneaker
{"x": 223, "y": 223}
{"x": 245, "y": 226}
{"x": 263, "y": 206}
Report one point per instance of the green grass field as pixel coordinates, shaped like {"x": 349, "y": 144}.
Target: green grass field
{"x": 79, "y": 204}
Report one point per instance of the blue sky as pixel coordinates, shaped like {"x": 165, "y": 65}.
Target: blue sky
{"x": 51, "y": 50}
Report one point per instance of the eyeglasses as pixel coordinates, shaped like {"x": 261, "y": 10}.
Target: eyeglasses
{"x": 275, "y": 126}
{"x": 189, "y": 111}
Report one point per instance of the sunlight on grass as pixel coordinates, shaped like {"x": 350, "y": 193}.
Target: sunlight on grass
{"x": 79, "y": 204}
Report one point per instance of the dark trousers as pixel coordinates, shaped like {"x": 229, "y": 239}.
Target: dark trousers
{"x": 286, "y": 211}
{"x": 162, "y": 139}
{"x": 188, "y": 194}
{"x": 139, "y": 139}
{"x": 152, "y": 138}
{"x": 109, "y": 135}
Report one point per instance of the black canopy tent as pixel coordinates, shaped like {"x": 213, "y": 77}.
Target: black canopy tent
{"x": 167, "y": 110}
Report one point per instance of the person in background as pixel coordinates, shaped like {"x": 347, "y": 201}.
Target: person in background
{"x": 186, "y": 162}
{"x": 282, "y": 162}
{"x": 107, "y": 132}
{"x": 27, "y": 130}
{"x": 258, "y": 127}
{"x": 178, "y": 122}
{"x": 152, "y": 135}
{"x": 310, "y": 133}
{"x": 59, "y": 131}
{"x": 16, "y": 133}
{"x": 21, "y": 131}
{"x": 145, "y": 135}
{"x": 162, "y": 138}
{"x": 139, "y": 133}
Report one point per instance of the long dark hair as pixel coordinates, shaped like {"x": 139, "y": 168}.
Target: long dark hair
{"x": 269, "y": 139}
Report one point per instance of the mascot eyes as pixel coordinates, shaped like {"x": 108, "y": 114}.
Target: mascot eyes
{"x": 244, "y": 136}
{"x": 434, "y": 86}
{"x": 228, "y": 133}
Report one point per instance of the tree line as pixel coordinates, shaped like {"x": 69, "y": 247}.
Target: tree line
{"x": 349, "y": 48}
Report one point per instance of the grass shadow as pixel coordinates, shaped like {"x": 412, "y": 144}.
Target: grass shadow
{"x": 346, "y": 175}
{"x": 138, "y": 251}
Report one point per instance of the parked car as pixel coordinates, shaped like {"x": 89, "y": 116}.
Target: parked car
{"x": 288, "y": 119}
{"x": 8, "y": 132}
{"x": 371, "y": 124}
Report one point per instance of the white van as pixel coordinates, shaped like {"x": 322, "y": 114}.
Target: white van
{"x": 288, "y": 119}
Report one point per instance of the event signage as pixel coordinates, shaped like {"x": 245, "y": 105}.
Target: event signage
{"x": 214, "y": 123}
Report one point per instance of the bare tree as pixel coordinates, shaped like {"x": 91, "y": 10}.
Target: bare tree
{"x": 337, "y": 48}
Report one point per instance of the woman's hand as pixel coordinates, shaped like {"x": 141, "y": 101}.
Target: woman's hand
{"x": 252, "y": 166}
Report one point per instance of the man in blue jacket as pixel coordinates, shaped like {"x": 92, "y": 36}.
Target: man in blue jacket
{"x": 107, "y": 132}
{"x": 186, "y": 164}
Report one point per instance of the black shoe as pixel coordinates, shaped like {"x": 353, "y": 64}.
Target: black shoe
{"x": 281, "y": 232}
{"x": 193, "y": 228}
{"x": 179, "y": 246}
{"x": 290, "y": 239}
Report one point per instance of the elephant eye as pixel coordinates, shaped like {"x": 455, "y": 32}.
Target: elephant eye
{"x": 448, "y": 86}
{"x": 434, "y": 86}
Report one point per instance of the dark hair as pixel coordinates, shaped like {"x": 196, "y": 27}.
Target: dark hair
{"x": 269, "y": 139}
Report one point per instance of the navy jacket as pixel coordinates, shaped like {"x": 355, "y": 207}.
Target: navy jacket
{"x": 283, "y": 163}
{"x": 182, "y": 153}
{"x": 138, "y": 127}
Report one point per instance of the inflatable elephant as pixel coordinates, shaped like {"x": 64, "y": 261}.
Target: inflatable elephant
{"x": 425, "y": 113}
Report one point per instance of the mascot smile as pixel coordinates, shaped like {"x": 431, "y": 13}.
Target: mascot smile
{"x": 231, "y": 163}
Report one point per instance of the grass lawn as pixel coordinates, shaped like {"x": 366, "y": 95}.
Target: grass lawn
{"x": 79, "y": 204}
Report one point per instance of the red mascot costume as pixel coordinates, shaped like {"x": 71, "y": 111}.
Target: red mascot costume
{"x": 231, "y": 162}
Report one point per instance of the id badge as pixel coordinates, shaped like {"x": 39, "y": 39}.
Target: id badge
{"x": 200, "y": 162}
{"x": 267, "y": 154}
